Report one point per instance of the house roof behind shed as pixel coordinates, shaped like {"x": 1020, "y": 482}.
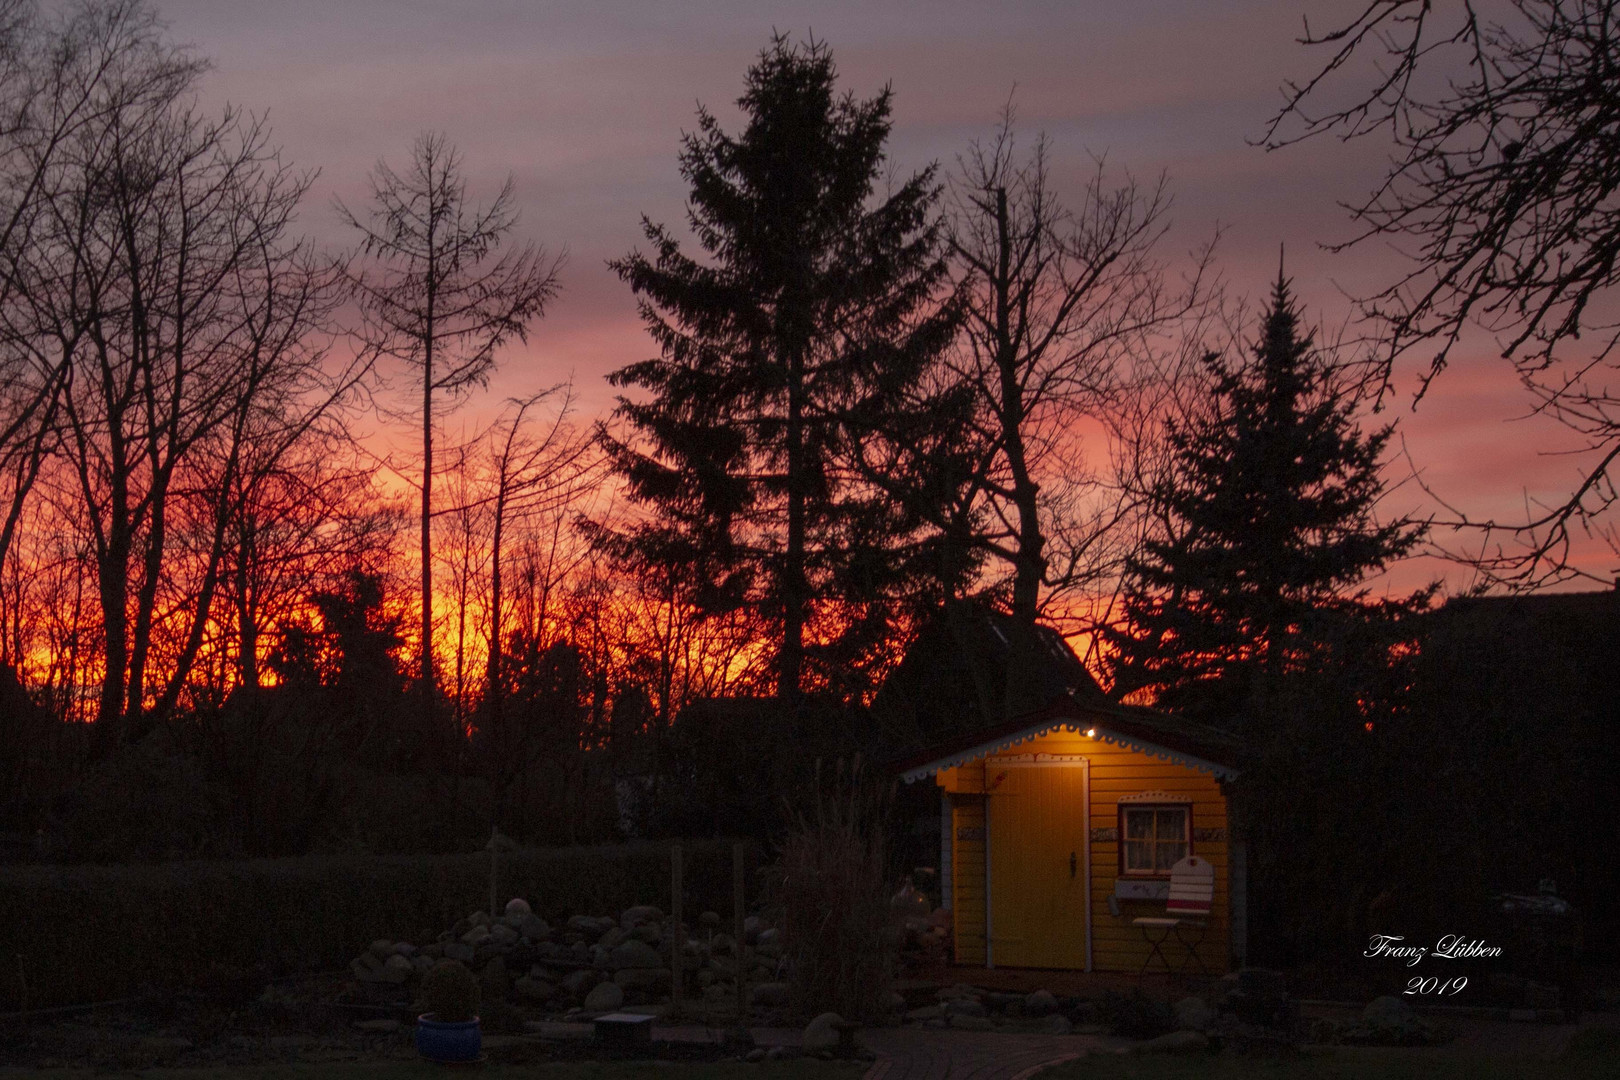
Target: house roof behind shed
{"x": 970, "y": 668}
{"x": 976, "y": 678}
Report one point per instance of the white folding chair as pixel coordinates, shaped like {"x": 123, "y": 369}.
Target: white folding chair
{"x": 1186, "y": 913}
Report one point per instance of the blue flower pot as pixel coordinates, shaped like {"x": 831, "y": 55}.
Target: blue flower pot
{"x": 452, "y": 1044}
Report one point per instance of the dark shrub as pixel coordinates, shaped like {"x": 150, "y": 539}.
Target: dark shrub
{"x": 831, "y": 885}
{"x": 1135, "y": 1015}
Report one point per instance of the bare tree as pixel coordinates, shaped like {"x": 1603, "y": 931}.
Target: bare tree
{"x": 61, "y": 78}
{"x": 158, "y": 275}
{"x": 535, "y": 469}
{"x": 301, "y": 514}
{"x": 1065, "y": 311}
{"x": 519, "y": 469}
{"x": 1502, "y": 184}
{"x": 435, "y": 301}
{"x": 461, "y": 553}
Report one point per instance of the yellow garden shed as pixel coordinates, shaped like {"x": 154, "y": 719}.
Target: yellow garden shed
{"x": 1061, "y": 819}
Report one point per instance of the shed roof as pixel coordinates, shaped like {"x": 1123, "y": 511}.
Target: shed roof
{"x": 1157, "y": 734}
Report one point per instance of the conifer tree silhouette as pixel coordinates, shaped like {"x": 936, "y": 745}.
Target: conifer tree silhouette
{"x": 792, "y": 437}
{"x": 1270, "y": 532}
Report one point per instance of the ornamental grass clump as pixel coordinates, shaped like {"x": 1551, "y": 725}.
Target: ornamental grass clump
{"x": 450, "y": 993}
{"x": 830, "y": 883}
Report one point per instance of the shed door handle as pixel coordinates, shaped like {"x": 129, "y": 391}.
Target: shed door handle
{"x": 1072, "y": 864}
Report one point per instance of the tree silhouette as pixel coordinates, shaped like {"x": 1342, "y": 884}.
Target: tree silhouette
{"x": 1501, "y": 188}
{"x": 1064, "y": 312}
{"x": 770, "y": 453}
{"x": 161, "y": 326}
{"x": 1269, "y": 507}
{"x": 436, "y": 302}
{"x": 353, "y": 646}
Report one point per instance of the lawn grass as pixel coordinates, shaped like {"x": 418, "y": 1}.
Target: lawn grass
{"x": 1593, "y": 1054}
{"x": 796, "y": 1069}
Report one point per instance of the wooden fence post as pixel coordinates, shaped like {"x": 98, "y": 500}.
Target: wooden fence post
{"x": 737, "y": 926}
{"x": 676, "y": 934}
{"x": 494, "y": 856}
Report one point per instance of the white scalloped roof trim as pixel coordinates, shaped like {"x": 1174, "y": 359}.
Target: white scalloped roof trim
{"x": 1104, "y": 734}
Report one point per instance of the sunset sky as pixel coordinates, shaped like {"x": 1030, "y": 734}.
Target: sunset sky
{"x": 583, "y": 105}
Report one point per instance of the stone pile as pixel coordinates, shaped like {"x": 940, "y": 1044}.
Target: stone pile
{"x": 587, "y": 963}
{"x": 1386, "y": 1021}
{"x": 969, "y": 1008}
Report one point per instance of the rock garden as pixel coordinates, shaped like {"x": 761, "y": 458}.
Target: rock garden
{"x": 585, "y": 964}
{"x": 540, "y": 983}
{"x": 588, "y": 964}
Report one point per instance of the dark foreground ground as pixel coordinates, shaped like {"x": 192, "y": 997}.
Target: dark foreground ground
{"x": 1591, "y": 1053}
{"x": 197, "y": 1038}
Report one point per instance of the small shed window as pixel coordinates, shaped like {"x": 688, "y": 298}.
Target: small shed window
{"x": 1153, "y": 837}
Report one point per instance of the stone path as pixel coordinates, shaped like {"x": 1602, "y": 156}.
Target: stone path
{"x": 933, "y": 1054}
{"x": 910, "y": 1053}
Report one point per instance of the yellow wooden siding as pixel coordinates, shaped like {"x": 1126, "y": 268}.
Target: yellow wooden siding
{"x": 1115, "y": 772}
{"x": 967, "y": 878}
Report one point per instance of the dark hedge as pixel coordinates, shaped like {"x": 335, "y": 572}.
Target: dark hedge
{"x": 79, "y": 934}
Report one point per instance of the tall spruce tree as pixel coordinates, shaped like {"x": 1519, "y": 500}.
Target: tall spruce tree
{"x": 1270, "y": 532}
{"x": 784, "y": 453}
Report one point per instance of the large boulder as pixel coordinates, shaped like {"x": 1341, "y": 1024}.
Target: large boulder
{"x": 588, "y": 927}
{"x": 1040, "y": 1003}
{"x": 579, "y": 983}
{"x": 633, "y": 953}
{"x": 1388, "y": 1011}
{"x": 1194, "y": 1014}
{"x": 1391, "y": 1021}
{"x": 1176, "y": 1042}
{"x": 823, "y": 1033}
{"x": 604, "y": 997}
{"x": 393, "y": 971}
{"x": 641, "y": 913}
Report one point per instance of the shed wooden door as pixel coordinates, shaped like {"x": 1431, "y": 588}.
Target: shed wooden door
{"x": 1039, "y": 869}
